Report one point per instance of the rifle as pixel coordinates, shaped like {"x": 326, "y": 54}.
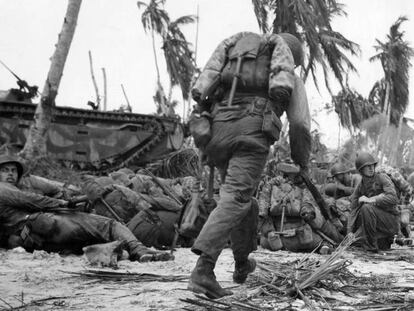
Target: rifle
{"x": 316, "y": 195}
{"x": 164, "y": 187}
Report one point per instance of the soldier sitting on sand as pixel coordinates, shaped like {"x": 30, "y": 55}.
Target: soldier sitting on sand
{"x": 294, "y": 220}
{"x": 374, "y": 213}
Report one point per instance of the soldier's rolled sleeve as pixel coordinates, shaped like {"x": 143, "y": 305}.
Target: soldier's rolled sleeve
{"x": 282, "y": 67}
{"x": 299, "y": 124}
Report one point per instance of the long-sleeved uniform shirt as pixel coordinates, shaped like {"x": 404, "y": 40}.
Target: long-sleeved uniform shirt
{"x": 379, "y": 187}
{"x": 16, "y": 205}
{"x": 281, "y": 76}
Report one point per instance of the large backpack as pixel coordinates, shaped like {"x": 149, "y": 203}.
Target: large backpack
{"x": 402, "y": 187}
{"x": 146, "y": 226}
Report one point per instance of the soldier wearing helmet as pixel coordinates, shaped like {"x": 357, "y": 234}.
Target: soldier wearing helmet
{"x": 342, "y": 185}
{"x": 11, "y": 170}
{"x": 35, "y": 221}
{"x": 256, "y": 84}
{"x": 374, "y": 212}
{"x": 292, "y": 208}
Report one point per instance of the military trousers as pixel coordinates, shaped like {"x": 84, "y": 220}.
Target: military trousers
{"x": 376, "y": 223}
{"x": 239, "y": 149}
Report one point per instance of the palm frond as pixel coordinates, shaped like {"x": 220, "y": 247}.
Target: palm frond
{"x": 154, "y": 17}
{"x": 179, "y": 58}
{"x": 260, "y": 10}
{"x": 311, "y": 21}
{"x": 394, "y": 55}
{"x": 352, "y": 108}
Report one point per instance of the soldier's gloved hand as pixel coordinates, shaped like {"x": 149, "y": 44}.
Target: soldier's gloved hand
{"x": 308, "y": 215}
{"x": 196, "y": 95}
{"x": 304, "y": 169}
{"x": 281, "y": 94}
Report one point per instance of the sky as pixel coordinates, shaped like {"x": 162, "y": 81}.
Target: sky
{"x": 113, "y": 32}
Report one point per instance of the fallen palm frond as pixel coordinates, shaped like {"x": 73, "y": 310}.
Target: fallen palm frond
{"x": 107, "y": 275}
{"x": 333, "y": 264}
{"x": 212, "y": 304}
{"x": 327, "y": 284}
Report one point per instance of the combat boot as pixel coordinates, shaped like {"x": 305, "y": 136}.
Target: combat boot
{"x": 138, "y": 252}
{"x": 203, "y": 280}
{"x": 242, "y": 269}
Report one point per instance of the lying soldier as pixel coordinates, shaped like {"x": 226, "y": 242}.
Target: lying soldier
{"x": 296, "y": 221}
{"x": 374, "y": 213}
{"x": 147, "y": 211}
{"x": 34, "y": 221}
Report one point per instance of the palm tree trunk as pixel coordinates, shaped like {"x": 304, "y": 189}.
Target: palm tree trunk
{"x": 105, "y": 103}
{"x": 36, "y": 141}
{"x": 397, "y": 142}
{"x": 160, "y": 89}
{"x": 155, "y": 55}
{"x": 95, "y": 85}
{"x": 380, "y": 144}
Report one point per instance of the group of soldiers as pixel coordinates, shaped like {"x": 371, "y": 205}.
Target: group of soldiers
{"x": 241, "y": 94}
{"x": 369, "y": 204}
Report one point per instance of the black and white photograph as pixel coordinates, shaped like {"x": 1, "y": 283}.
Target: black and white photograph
{"x": 206, "y": 155}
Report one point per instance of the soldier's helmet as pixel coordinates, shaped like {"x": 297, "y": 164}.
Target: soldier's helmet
{"x": 295, "y": 47}
{"x": 363, "y": 159}
{"x": 5, "y": 159}
{"x": 339, "y": 168}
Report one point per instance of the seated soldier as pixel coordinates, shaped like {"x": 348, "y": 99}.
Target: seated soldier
{"x": 374, "y": 213}
{"x": 34, "y": 221}
{"x": 296, "y": 223}
{"x": 342, "y": 183}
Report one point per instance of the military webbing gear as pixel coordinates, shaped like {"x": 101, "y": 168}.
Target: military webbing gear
{"x": 146, "y": 226}
{"x": 363, "y": 159}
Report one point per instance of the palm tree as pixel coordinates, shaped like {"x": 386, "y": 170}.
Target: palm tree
{"x": 394, "y": 55}
{"x": 156, "y": 20}
{"x": 178, "y": 56}
{"x": 391, "y": 93}
{"x": 310, "y": 20}
{"x": 352, "y": 108}
{"x": 36, "y": 140}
